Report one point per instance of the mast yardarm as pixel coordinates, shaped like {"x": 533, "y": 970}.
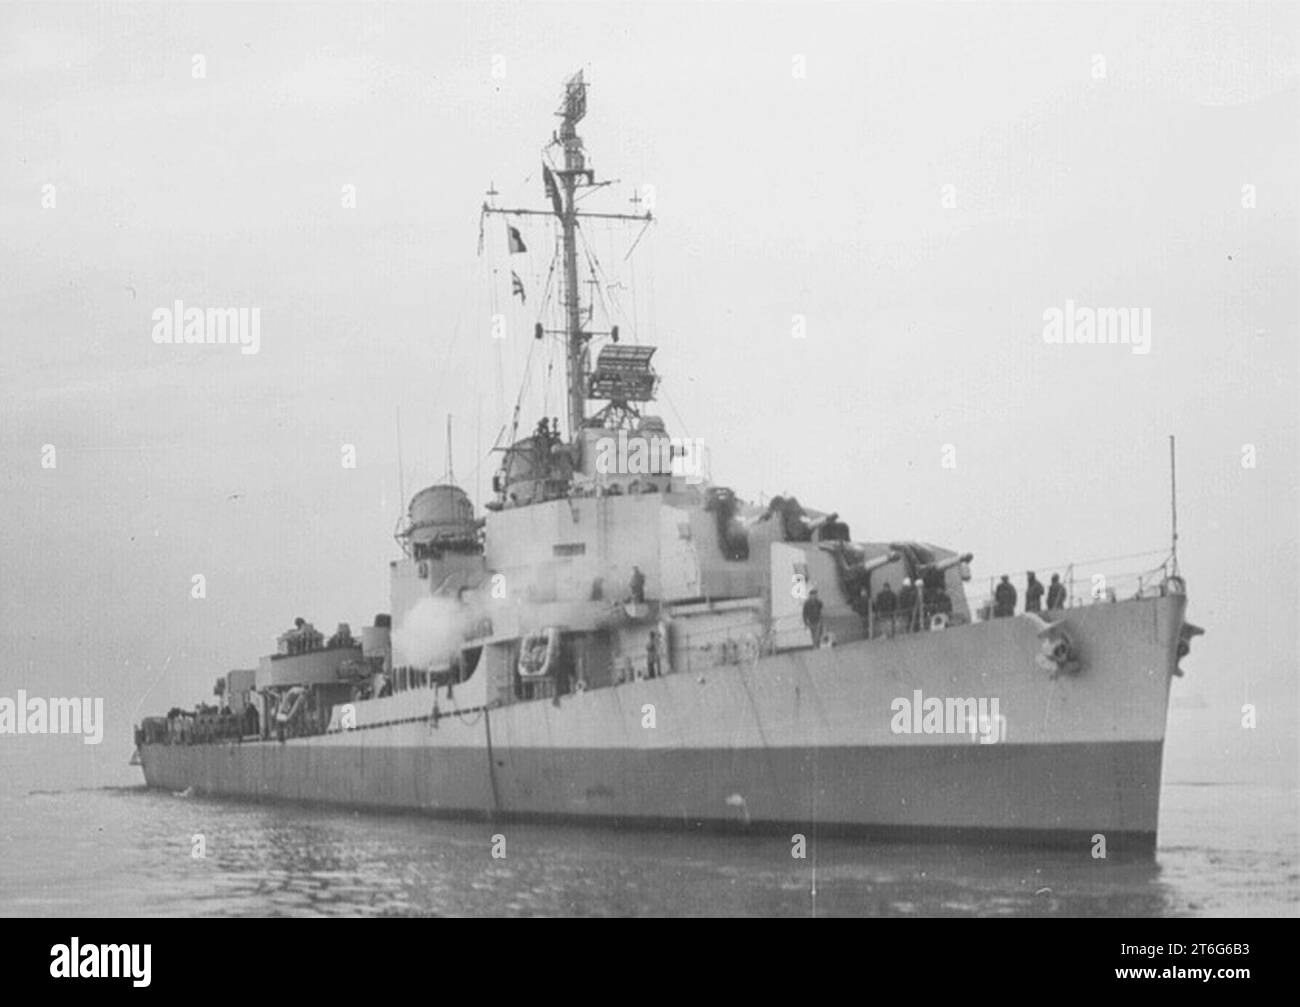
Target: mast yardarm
{"x": 569, "y": 178}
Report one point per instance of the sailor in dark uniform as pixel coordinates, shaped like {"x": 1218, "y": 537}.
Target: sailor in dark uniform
{"x": 812, "y": 617}
{"x": 638, "y": 585}
{"x": 1055, "y": 594}
{"x": 885, "y": 606}
{"x": 1033, "y": 593}
{"x": 1004, "y": 599}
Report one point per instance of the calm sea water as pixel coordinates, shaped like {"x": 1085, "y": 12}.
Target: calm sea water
{"x": 1225, "y": 849}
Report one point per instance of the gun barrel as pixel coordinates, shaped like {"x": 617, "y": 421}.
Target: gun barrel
{"x": 879, "y": 561}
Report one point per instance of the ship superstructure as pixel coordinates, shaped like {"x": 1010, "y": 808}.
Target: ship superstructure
{"x": 617, "y": 639}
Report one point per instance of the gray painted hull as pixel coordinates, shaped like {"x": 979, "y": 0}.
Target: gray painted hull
{"x": 803, "y": 742}
{"x": 1044, "y": 795}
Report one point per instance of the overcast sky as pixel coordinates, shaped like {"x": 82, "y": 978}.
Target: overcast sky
{"x": 1112, "y": 155}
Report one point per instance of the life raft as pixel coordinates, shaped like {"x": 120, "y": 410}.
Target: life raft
{"x": 538, "y": 652}
{"x": 291, "y": 704}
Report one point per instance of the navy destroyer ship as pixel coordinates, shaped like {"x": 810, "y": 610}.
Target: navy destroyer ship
{"x": 617, "y": 640}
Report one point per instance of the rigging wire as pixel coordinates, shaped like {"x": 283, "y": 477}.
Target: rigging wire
{"x": 523, "y": 387}
{"x": 1107, "y": 559}
{"x": 637, "y": 241}
{"x": 636, "y": 321}
{"x": 681, "y": 423}
{"x": 597, "y": 275}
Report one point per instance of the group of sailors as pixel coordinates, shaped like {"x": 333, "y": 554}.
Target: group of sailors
{"x": 1005, "y": 596}
{"x": 920, "y": 602}
{"x": 915, "y": 605}
{"x": 908, "y": 611}
{"x": 548, "y": 433}
{"x": 204, "y": 725}
{"x": 305, "y": 638}
{"x": 302, "y": 639}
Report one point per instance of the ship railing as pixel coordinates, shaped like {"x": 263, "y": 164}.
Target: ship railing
{"x": 1090, "y": 582}
{"x": 333, "y": 643}
{"x": 875, "y": 626}
{"x": 705, "y": 649}
{"x": 201, "y": 729}
{"x": 722, "y": 646}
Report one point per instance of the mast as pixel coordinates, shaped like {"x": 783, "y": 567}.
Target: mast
{"x": 572, "y": 175}
{"x": 451, "y": 469}
{"x": 401, "y": 469}
{"x": 1173, "y": 507}
{"x": 571, "y": 112}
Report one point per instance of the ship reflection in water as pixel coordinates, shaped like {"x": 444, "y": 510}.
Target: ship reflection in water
{"x": 136, "y": 856}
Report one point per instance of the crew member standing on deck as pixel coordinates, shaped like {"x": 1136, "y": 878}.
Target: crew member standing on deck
{"x": 812, "y": 617}
{"x": 1055, "y": 594}
{"x": 297, "y": 636}
{"x": 1004, "y": 599}
{"x": 638, "y": 585}
{"x": 1033, "y": 593}
{"x": 652, "y": 655}
{"x": 886, "y": 605}
{"x": 863, "y": 603}
{"x": 907, "y": 605}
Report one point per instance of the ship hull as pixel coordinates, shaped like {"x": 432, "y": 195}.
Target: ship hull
{"x": 1054, "y": 795}
{"x": 809, "y": 742}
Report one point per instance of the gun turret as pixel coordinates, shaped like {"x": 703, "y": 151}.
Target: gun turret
{"x": 932, "y": 575}
{"x": 855, "y": 571}
{"x": 822, "y": 521}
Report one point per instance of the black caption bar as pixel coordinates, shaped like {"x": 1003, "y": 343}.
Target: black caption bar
{"x": 139, "y": 956}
